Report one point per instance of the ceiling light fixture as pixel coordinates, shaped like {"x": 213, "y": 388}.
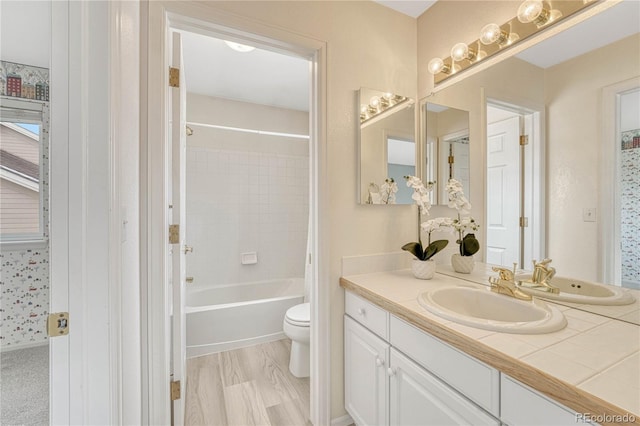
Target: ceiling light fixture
{"x": 239, "y": 47}
{"x": 531, "y": 16}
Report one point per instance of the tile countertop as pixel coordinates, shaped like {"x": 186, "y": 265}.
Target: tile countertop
{"x": 591, "y": 366}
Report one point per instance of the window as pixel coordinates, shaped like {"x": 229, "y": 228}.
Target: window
{"x": 23, "y": 139}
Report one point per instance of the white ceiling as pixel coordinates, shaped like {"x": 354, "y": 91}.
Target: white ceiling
{"x": 263, "y": 77}
{"x": 268, "y": 78}
{"x": 413, "y": 8}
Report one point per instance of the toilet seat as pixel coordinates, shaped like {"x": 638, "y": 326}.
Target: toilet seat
{"x": 299, "y": 315}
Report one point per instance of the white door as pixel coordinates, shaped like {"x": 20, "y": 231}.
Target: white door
{"x": 418, "y": 398}
{"x": 365, "y": 378}
{"x": 503, "y": 192}
{"x": 177, "y": 126}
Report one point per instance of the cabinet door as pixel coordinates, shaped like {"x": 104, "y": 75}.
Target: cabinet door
{"x": 418, "y": 398}
{"x": 365, "y": 378}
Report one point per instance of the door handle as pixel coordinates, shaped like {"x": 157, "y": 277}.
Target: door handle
{"x": 188, "y": 249}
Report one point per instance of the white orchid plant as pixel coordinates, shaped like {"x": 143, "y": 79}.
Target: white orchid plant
{"x": 388, "y": 191}
{"x": 421, "y": 195}
{"x": 469, "y": 245}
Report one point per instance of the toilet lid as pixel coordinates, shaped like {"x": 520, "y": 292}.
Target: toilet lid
{"x": 299, "y": 315}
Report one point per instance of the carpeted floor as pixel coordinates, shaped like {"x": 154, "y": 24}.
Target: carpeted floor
{"x": 24, "y": 386}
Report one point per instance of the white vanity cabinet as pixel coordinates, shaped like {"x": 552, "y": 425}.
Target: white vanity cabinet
{"x": 396, "y": 374}
{"x": 384, "y": 386}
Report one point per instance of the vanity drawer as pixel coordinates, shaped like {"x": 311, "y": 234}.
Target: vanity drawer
{"x": 474, "y": 379}
{"x": 522, "y": 405}
{"x": 366, "y": 313}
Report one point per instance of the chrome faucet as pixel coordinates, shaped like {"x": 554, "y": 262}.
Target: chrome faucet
{"x": 505, "y": 283}
{"x": 541, "y": 277}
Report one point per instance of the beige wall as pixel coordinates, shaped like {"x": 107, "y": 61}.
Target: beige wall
{"x": 574, "y": 132}
{"x": 368, "y": 45}
{"x": 569, "y": 92}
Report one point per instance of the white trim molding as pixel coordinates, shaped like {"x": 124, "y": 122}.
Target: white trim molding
{"x": 345, "y": 420}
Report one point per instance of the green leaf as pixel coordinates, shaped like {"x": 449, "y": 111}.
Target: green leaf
{"x": 434, "y": 248}
{"x": 469, "y": 245}
{"x": 415, "y": 249}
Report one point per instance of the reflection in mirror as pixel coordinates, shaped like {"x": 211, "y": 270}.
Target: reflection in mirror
{"x": 446, "y": 148}
{"x": 387, "y": 147}
{"x": 579, "y": 158}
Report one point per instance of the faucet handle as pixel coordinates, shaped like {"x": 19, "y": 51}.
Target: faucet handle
{"x": 543, "y": 263}
{"x": 504, "y": 273}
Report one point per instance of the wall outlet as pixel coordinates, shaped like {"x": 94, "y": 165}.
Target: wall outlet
{"x": 589, "y": 215}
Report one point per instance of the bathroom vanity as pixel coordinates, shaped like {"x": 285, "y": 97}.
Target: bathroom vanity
{"x": 407, "y": 366}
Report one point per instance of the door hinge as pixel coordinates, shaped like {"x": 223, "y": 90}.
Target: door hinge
{"x": 524, "y": 140}
{"x": 174, "y": 77}
{"x": 175, "y": 390}
{"x": 524, "y": 222}
{"x": 451, "y": 159}
{"x": 174, "y": 234}
{"x": 58, "y": 324}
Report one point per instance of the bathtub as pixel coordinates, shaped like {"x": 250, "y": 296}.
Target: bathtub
{"x": 224, "y": 317}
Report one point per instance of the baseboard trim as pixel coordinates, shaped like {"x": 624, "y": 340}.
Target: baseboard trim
{"x": 19, "y": 346}
{"x": 345, "y": 420}
{"x": 201, "y": 350}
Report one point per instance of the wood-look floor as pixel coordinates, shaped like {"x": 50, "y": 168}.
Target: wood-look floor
{"x": 248, "y": 386}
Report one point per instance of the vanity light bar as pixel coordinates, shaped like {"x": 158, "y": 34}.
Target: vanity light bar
{"x": 378, "y": 105}
{"x": 532, "y": 17}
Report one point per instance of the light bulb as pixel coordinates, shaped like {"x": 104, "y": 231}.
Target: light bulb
{"x": 533, "y": 11}
{"x": 437, "y": 65}
{"x": 492, "y": 33}
{"x": 239, "y": 47}
{"x": 374, "y": 102}
{"x": 461, "y": 51}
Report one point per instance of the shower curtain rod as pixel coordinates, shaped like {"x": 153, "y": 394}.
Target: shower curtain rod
{"x": 239, "y": 129}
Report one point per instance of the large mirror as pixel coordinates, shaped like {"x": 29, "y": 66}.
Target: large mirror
{"x": 561, "y": 186}
{"x": 387, "y": 147}
{"x": 446, "y": 139}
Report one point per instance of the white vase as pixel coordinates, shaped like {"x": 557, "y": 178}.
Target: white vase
{"x": 462, "y": 264}
{"x": 423, "y": 269}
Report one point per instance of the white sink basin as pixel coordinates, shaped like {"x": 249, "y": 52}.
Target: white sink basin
{"x": 484, "y": 309}
{"x": 583, "y": 292}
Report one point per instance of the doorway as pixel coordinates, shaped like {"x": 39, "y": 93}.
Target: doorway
{"x": 246, "y": 218}
{"x": 515, "y": 186}
{"x": 203, "y": 20}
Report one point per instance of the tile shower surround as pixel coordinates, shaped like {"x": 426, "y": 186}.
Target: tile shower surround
{"x": 239, "y": 201}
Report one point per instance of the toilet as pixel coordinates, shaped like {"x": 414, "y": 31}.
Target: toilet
{"x": 296, "y": 327}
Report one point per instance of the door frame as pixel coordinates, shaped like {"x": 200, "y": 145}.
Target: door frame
{"x": 205, "y": 19}
{"x": 609, "y": 251}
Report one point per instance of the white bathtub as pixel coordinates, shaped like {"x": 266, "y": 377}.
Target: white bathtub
{"x": 221, "y": 318}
